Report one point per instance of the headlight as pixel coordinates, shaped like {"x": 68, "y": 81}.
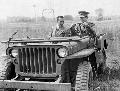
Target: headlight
{"x": 62, "y": 52}
{"x": 14, "y": 53}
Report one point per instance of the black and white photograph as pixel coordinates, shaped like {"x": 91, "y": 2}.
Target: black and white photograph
{"x": 59, "y": 45}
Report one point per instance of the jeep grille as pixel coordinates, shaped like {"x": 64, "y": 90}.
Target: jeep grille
{"x": 37, "y": 60}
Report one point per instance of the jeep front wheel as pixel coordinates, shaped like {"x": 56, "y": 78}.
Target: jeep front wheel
{"x": 7, "y": 70}
{"x": 83, "y": 76}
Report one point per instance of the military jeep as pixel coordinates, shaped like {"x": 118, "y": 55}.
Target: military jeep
{"x": 55, "y": 64}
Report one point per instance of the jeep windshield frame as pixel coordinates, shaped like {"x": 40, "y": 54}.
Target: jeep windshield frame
{"x": 52, "y": 39}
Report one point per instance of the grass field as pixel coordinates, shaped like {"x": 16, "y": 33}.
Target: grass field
{"x": 112, "y": 28}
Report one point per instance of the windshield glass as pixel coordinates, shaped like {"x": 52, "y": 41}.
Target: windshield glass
{"x": 26, "y": 30}
{"x": 27, "y": 27}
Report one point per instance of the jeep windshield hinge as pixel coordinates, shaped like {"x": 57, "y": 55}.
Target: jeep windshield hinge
{"x": 10, "y": 38}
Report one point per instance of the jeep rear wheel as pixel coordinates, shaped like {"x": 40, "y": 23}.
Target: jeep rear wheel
{"x": 83, "y": 76}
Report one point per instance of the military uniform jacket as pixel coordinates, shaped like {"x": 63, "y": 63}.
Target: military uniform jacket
{"x": 82, "y": 29}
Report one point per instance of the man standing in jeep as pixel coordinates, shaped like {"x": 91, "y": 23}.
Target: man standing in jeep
{"x": 84, "y": 27}
{"x": 59, "y": 30}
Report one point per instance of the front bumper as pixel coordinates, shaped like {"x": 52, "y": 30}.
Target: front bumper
{"x": 35, "y": 85}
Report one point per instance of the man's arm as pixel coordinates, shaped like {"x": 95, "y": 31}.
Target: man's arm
{"x": 92, "y": 25}
{"x": 73, "y": 30}
{"x": 90, "y": 29}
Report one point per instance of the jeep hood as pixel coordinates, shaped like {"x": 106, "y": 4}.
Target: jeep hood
{"x": 50, "y": 41}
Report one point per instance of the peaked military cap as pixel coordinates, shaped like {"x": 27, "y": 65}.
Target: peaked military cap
{"x": 83, "y": 14}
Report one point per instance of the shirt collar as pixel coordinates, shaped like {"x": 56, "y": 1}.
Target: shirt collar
{"x": 57, "y": 26}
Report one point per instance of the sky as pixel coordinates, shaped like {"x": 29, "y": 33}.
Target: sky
{"x": 32, "y": 8}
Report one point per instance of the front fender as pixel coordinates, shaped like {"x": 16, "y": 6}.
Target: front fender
{"x": 81, "y": 53}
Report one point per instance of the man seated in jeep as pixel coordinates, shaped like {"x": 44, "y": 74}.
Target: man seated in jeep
{"x": 83, "y": 28}
{"x": 59, "y": 30}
